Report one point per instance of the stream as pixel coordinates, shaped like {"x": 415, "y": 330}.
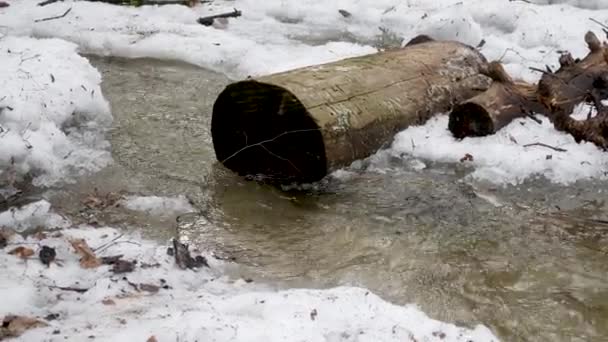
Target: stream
{"x": 528, "y": 261}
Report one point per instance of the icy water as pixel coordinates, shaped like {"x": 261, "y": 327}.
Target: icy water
{"x": 530, "y": 262}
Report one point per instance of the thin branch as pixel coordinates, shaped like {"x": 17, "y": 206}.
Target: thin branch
{"x": 599, "y": 23}
{"x": 69, "y": 288}
{"x": 557, "y": 149}
{"x": 48, "y": 2}
{"x": 208, "y": 21}
{"x": 55, "y": 17}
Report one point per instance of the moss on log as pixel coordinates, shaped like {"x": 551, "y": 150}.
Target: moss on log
{"x": 297, "y": 126}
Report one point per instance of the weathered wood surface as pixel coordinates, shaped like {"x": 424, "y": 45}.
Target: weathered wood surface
{"x": 495, "y": 108}
{"x": 297, "y": 126}
{"x": 555, "y": 96}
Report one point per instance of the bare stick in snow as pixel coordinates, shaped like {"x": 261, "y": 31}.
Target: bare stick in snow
{"x": 208, "y": 21}
{"x": 55, "y": 17}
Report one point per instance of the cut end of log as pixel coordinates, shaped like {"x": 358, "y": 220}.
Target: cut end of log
{"x": 470, "y": 119}
{"x": 263, "y": 131}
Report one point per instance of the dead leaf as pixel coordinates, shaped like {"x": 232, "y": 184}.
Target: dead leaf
{"x": 3, "y": 240}
{"x": 313, "y": 314}
{"x": 123, "y": 266}
{"x": 111, "y": 260}
{"x": 102, "y": 201}
{"x": 47, "y": 255}
{"x": 22, "y": 252}
{"x": 149, "y": 288}
{"x": 151, "y": 339}
{"x": 467, "y": 157}
{"x": 88, "y": 258}
{"x": 14, "y": 326}
{"x": 40, "y": 235}
{"x": 3, "y": 4}
{"x": 108, "y": 301}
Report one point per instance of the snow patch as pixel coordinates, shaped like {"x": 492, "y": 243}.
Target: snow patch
{"x": 33, "y": 215}
{"x": 52, "y": 112}
{"x": 159, "y": 206}
{"x": 188, "y": 305}
{"x": 504, "y": 158}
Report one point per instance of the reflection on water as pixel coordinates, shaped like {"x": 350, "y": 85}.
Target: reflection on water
{"x": 530, "y": 261}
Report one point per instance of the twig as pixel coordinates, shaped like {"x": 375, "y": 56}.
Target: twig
{"x": 542, "y": 71}
{"x": 557, "y": 149}
{"x": 55, "y": 17}
{"x": 599, "y": 23}
{"x": 48, "y": 2}
{"x": 107, "y": 244}
{"x": 534, "y": 118}
{"x": 208, "y": 21}
{"x": 69, "y": 288}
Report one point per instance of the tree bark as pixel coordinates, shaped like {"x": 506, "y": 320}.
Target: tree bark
{"x": 575, "y": 82}
{"x": 299, "y": 125}
{"x": 495, "y": 108}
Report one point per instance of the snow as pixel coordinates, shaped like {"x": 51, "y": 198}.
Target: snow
{"x": 33, "y": 215}
{"x": 158, "y": 206}
{"x": 504, "y": 158}
{"x": 198, "y": 305}
{"x": 52, "y": 112}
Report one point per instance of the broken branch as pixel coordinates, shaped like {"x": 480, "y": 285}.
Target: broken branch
{"x": 208, "y": 21}
{"x": 55, "y": 17}
{"x": 557, "y": 149}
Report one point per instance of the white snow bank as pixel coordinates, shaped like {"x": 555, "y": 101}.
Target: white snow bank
{"x": 277, "y": 35}
{"x": 36, "y": 214}
{"x": 503, "y": 157}
{"x": 52, "y": 112}
{"x": 193, "y": 306}
{"x": 158, "y": 206}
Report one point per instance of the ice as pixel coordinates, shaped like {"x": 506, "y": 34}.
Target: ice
{"x": 52, "y": 112}
{"x": 159, "y": 206}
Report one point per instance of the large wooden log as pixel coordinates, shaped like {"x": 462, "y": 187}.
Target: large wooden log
{"x": 297, "y": 126}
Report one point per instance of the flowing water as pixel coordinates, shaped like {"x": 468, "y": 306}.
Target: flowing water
{"x": 529, "y": 261}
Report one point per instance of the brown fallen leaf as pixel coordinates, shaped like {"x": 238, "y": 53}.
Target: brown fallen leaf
{"x": 149, "y": 288}
{"x": 14, "y": 326}
{"x": 123, "y": 266}
{"x": 467, "y": 157}
{"x": 108, "y": 301}
{"x": 22, "y": 252}
{"x": 152, "y": 339}
{"x": 88, "y": 258}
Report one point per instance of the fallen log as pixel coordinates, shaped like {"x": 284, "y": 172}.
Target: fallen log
{"x": 495, "y": 108}
{"x": 297, "y": 126}
{"x": 555, "y": 96}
